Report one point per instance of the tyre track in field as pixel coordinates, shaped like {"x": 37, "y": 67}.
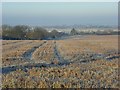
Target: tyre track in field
{"x": 80, "y": 59}
{"x": 61, "y": 61}
{"x": 58, "y": 56}
{"x": 91, "y": 56}
{"x": 28, "y": 55}
{"x": 6, "y": 70}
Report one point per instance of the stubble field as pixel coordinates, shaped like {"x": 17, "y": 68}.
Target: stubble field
{"x": 83, "y": 62}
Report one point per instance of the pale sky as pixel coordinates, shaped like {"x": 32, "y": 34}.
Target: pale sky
{"x": 60, "y": 13}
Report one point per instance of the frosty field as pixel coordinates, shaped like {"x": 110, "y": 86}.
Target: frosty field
{"x": 79, "y": 62}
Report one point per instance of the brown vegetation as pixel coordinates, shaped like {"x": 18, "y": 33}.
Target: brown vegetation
{"x": 92, "y": 63}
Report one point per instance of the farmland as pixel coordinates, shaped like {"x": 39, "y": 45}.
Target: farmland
{"x": 81, "y": 62}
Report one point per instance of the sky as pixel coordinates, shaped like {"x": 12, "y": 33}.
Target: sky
{"x": 60, "y": 13}
{"x": 60, "y": 1}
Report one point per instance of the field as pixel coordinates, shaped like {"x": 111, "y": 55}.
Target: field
{"x": 78, "y": 62}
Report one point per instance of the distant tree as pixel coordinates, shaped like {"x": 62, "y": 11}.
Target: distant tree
{"x": 40, "y": 33}
{"x": 19, "y": 31}
{"x": 16, "y": 32}
{"x": 30, "y": 35}
{"x": 6, "y": 31}
{"x": 54, "y": 34}
{"x": 73, "y": 32}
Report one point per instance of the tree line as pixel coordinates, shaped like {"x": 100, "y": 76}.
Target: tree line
{"x": 23, "y": 32}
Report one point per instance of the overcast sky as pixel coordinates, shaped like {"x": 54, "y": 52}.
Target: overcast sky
{"x": 60, "y": 13}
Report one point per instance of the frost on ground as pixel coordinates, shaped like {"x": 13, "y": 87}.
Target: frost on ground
{"x": 89, "y": 62}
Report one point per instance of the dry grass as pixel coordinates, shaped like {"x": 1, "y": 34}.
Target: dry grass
{"x": 14, "y": 54}
{"x": 44, "y": 53}
{"x": 70, "y": 49}
{"x": 97, "y": 73}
